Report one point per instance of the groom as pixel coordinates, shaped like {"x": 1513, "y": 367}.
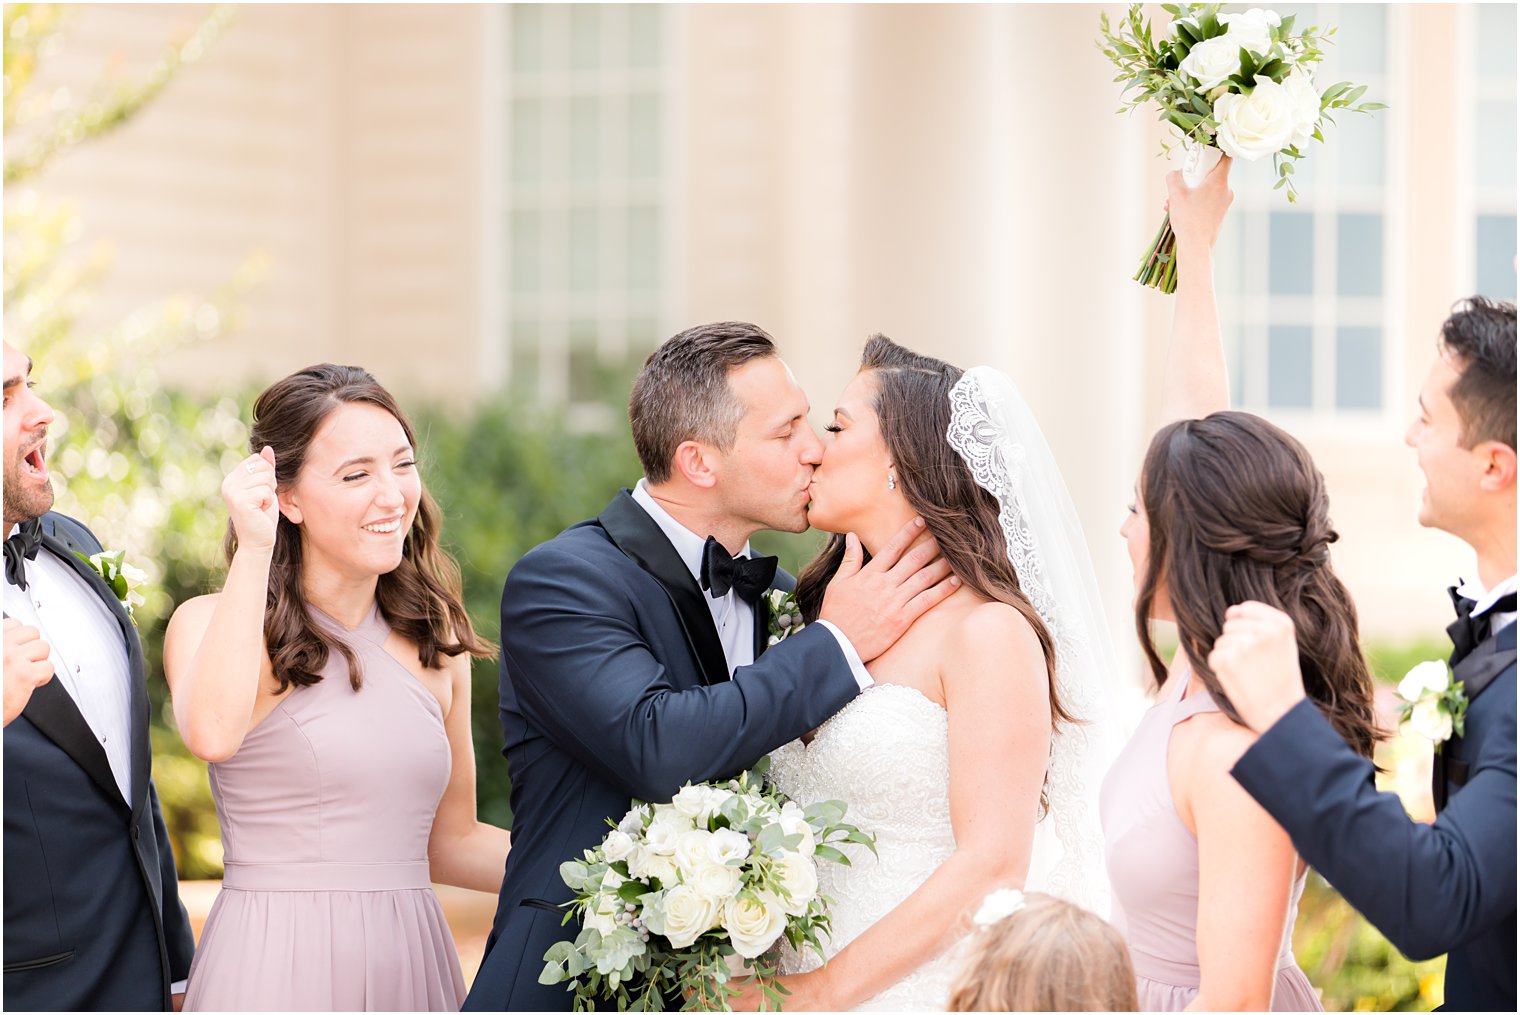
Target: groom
{"x": 1450, "y": 886}
{"x": 631, "y": 643}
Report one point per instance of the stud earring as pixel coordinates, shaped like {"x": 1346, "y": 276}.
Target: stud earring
{"x": 891, "y": 482}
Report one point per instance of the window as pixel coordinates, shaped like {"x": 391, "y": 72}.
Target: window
{"x": 585, "y": 209}
{"x": 1493, "y": 140}
{"x": 1304, "y": 287}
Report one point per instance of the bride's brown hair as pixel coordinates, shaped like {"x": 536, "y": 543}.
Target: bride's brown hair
{"x": 1238, "y": 511}
{"x": 421, "y": 599}
{"x": 912, "y": 406}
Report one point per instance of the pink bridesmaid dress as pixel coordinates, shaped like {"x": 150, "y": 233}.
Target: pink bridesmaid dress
{"x": 326, "y": 811}
{"x": 1153, "y": 867}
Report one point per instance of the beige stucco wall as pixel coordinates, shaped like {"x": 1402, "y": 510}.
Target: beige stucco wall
{"x": 951, "y": 175}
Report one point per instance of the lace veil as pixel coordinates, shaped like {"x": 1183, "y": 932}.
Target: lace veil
{"x": 995, "y": 433}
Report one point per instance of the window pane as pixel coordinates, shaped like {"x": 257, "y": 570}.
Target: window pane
{"x": 585, "y": 36}
{"x": 1291, "y": 272}
{"x": 524, "y": 246}
{"x": 524, "y": 345}
{"x": 527, "y": 139}
{"x": 584, "y": 146}
{"x": 583, "y": 249}
{"x": 1360, "y": 140}
{"x": 644, "y": 35}
{"x": 1361, "y": 44}
{"x": 1496, "y": 256}
{"x": 1496, "y": 40}
{"x": 1359, "y": 255}
{"x": 643, "y": 249}
{"x": 1494, "y": 144}
{"x": 643, "y": 136}
{"x": 1289, "y": 360}
{"x": 527, "y": 37}
{"x": 586, "y": 370}
{"x": 1358, "y": 368}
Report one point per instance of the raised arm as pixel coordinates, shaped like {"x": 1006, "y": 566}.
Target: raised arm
{"x": 214, "y": 654}
{"x": 1196, "y": 382}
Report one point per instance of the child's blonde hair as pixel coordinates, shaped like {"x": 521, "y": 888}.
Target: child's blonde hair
{"x": 1048, "y": 955}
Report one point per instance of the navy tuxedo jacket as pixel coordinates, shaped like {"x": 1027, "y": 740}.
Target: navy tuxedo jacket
{"x": 1444, "y": 887}
{"x": 614, "y": 687}
{"x": 92, "y": 913}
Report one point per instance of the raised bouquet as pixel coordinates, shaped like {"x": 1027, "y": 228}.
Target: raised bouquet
{"x": 1240, "y": 84}
{"x": 680, "y": 898}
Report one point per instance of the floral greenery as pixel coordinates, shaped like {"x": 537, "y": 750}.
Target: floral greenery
{"x": 677, "y": 889}
{"x": 785, "y": 615}
{"x": 123, "y": 579}
{"x": 1258, "y": 54}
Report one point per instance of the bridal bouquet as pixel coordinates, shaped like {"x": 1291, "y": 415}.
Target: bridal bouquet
{"x": 677, "y": 891}
{"x": 1239, "y": 84}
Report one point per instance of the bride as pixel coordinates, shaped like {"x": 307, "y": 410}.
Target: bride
{"x": 976, "y": 757}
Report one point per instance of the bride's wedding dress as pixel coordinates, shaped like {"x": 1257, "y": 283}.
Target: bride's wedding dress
{"x": 887, "y": 756}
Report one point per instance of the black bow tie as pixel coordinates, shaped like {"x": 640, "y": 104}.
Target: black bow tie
{"x": 748, "y": 576}
{"x": 21, "y": 548}
{"x": 1468, "y": 632}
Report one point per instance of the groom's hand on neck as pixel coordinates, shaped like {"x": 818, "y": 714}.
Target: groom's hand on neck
{"x": 874, "y": 604}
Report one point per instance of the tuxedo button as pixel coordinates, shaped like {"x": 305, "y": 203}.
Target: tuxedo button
{"x": 136, "y": 831}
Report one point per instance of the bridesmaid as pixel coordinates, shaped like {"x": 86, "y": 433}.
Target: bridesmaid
{"x": 328, "y": 683}
{"x": 1228, "y": 507}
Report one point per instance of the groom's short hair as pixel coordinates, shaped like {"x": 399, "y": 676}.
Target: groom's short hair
{"x": 1480, "y": 337}
{"x": 683, "y": 394}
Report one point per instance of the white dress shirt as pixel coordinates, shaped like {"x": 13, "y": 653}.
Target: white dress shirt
{"x": 1486, "y": 598}
{"x": 733, "y": 617}
{"x": 88, "y": 656}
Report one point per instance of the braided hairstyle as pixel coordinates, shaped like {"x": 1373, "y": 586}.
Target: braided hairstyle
{"x": 1238, "y": 511}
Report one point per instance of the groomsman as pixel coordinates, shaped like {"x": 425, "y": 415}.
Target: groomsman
{"x": 92, "y": 913}
{"x": 1449, "y": 886}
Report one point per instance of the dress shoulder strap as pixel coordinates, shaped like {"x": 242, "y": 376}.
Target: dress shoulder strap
{"x": 1197, "y": 703}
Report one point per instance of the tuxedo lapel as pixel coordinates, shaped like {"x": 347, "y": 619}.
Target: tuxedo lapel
{"x": 54, "y": 714}
{"x": 57, "y": 539}
{"x": 1479, "y": 668}
{"x": 632, "y": 530}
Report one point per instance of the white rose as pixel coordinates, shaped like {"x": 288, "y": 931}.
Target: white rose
{"x": 793, "y": 823}
{"x": 716, "y": 881}
{"x": 645, "y": 864}
{"x": 1300, "y": 88}
{"x": 754, "y": 921}
{"x": 1211, "y": 62}
{"x": 687, "y": 915}
{"x": 1262, "y": 123}
{"x": 727, "y": 844}
{"x": 612, "y": 881}
{"x": 617, "y": 846}
{"x": 712, "y": 802}
{"x": 688, "y": 803}
{"x": 1191, "y": 22}
{"x": 799, "y": 876}
{"x": 691, "y": 851}
{"x": 1431, "y": 721}
{"x": 633, "y": 822}
{"x": 1251, "y": 30}
{"x": 665, "y": 829}
{"x": 1430, "y": 675}
{"x": 600, "y": 914}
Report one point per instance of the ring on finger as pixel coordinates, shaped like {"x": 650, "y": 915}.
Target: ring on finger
{"x": 251, "y": 467}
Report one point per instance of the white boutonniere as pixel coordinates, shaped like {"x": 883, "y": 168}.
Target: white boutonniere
{"x": 123, "y": 578}
{"x": 1434, "y": 705}
{"x": 785, "y": 615}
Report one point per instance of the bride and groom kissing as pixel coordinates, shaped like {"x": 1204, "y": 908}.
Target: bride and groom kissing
{"x": 635, "y": 659}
